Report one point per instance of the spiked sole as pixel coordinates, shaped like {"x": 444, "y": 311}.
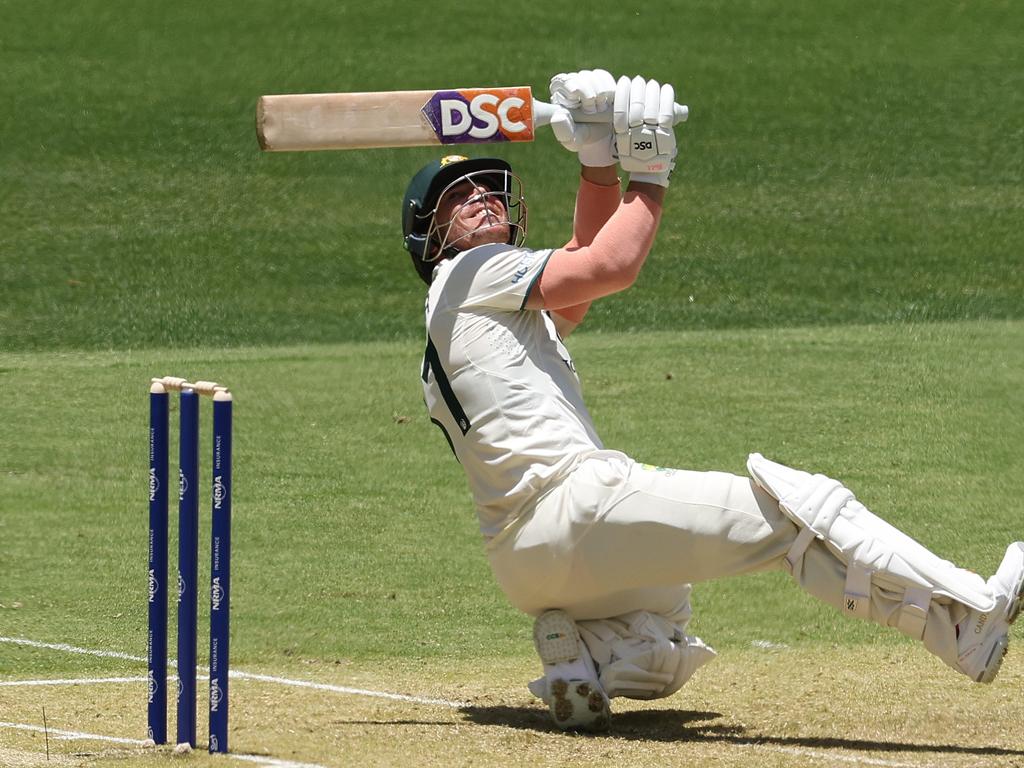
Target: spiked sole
{"x": 555, "y": 637}
{"x": 576, "y": 705}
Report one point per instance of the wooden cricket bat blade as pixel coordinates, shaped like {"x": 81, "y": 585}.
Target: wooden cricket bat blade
{"x": 313, "y": 121}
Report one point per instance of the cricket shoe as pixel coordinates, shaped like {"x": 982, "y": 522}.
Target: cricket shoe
{"x": 983, "y": 638}
{"x": 570, "y": 686}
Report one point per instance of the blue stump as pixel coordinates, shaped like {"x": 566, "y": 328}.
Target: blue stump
{"x": 220, "y": 572}
{"x": 188, "y": 565}
{"x": 156, "y": 645}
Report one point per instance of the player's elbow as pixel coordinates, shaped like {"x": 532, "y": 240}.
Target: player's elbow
{"x": 585, "y": 274}
{"x": 617, "y": 276}
{"x": 617, "y": 272}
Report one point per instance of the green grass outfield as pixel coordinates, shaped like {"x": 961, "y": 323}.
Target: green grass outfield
{"x": 844, "y": 162}
{"x": 838, "y": 283}
{"x": 354, "y": 534}
{"x": 357, "y": 561}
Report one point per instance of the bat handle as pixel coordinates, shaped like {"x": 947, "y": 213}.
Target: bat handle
{"x": 543, "y": 112}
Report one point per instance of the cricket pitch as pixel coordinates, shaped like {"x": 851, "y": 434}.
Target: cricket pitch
{"x": 894, "y": 707}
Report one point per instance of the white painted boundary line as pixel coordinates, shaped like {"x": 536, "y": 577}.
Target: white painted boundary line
{"x": 56, "y": 733}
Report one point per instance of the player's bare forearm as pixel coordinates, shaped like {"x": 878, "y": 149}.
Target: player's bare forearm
{"x": 597, "y": 199}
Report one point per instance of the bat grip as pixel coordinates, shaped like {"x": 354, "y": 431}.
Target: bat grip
{"x": 543, "y": 112}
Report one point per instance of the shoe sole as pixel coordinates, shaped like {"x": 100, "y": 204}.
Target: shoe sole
{"x": 1013, "y": 610}
{"x": 995, "y": 660}
{"x": 578, "y": 706}
{"x": 556, "y": 638}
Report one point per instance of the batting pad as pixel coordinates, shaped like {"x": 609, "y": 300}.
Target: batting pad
{"x": 824, "y": 509}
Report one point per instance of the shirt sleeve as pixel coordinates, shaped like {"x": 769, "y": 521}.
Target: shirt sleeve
{"x": 496, "y": 276}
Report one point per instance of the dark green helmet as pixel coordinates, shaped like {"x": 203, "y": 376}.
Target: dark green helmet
{"x": 426, "y": 188}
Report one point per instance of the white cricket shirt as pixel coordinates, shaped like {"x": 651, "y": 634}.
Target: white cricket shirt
{"x": 500, "y": 383}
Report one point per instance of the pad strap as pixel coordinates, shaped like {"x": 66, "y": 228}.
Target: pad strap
{"x": 914, "y": 611}
{"x": 857, "y": 595}
{"x": 858, "y": 538}
{"x": 796, "y": 551}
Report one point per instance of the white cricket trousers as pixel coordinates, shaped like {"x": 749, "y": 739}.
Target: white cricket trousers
{"x": 616, "y": 536}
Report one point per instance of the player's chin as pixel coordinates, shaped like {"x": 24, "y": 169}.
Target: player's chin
{"x": 498, "y": 232}
{"x": 501, "y": 232}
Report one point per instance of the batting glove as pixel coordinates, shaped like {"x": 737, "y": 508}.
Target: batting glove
{"x": 643, "y": 118}
{"x": 590, "y": 92}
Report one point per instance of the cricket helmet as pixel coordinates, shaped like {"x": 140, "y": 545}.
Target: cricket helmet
{"x": 424, "y": 237}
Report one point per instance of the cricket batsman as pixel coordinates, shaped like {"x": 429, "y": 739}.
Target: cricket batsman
{"x": 599, "y": 548}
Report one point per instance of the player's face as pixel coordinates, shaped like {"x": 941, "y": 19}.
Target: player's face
{"x": 475, "y": 215}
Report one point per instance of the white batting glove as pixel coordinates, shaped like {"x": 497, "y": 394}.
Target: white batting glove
{"x": 643, "y": 118}
{"x": 589, "y": 91}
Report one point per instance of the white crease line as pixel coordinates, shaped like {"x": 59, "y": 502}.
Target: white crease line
{"x": 56, "y": 733}
{"x": 768, "y": 645}
{"x": 830, "y": 757}
{"x": 345, "y": 689}
{"x": 71, "y": 649}
{"x": 71, "y": 735}
{"x": 273, "y": 761}
{"x": 73, "y": 681}
{"x": 245, "y": 675}
{"x": 88, "y": 681}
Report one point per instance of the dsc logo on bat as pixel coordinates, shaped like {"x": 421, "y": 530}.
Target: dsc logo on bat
{"x": 481, "y": 115}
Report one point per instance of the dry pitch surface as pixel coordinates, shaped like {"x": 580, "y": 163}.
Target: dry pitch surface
{"x": 892, "y": 707}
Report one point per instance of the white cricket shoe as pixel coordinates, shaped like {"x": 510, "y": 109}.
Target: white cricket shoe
{"x": 983, "y": 638}
{"x": 570, "y": 685}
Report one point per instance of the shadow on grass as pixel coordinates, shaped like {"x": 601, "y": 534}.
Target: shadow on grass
{"x": 668, "y": 725}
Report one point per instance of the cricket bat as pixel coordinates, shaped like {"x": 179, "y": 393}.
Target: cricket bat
{"x": 310, "y": 121}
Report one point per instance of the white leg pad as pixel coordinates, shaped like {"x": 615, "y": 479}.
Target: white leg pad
{"x": 642, "y": 655}
{"x": 824, "y": 509}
